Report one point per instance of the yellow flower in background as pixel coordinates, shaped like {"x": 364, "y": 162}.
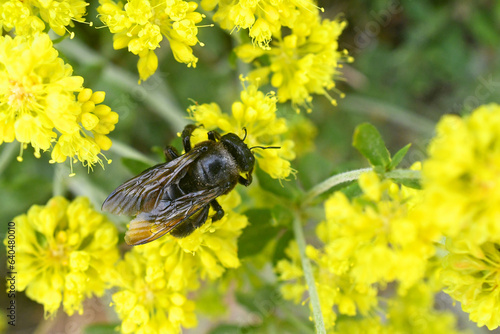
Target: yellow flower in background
{"x": 461, "y": 181}
{"x": 145, "y": 303}
{"x": 379, "y": 237}
{"x": 412, "y": 313}
{"x": 471, "y": 275}
{"x": 461, "y": 178}
{"x": 303, "y": 63}
{"x": 206, "y": 253}
{"x": 263, "y": 18}
{"x": 141, "y": 25}
{"x": 335, "y": 291}
{"x": 257, "y": 113}
{"x": 28, "y": 17}
{"x": 368, "y": 242}
{"x": 40, "y": 106}
{"x": 66, "y": 252}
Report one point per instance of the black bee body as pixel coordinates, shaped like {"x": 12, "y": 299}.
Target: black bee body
{"x": 174, "y": 197}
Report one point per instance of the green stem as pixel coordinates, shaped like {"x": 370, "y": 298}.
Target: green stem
{"x": 126, "y": 151}
{"x": 389, "y": 112}
{"x": 308, "y": 273}
{"x": 332, "y": 182}
{"x": 58, "y": 182}
{"x": 8, "y": 153}
{"x": 354, "y": 175}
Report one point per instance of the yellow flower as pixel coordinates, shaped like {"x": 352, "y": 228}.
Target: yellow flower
{"x": 205, "y": 253}
{"x": 263, "y": 18}
{"x": 141, "y": 24}
{"x": 24, "y": 15}
{"x": 145, "y": 303}
{"x": 349, "y": 297}
{"x": 257, "y": 113}
{"x": 40, "y": 106}
{"x": 66, "y": 252}
{"x": 412, "y": 313}
{"x": 461, "y": 178}
{"x": 472, "y": 276}
{"x": 379, "y": 237}
{"x": 303, "y": 63}
{"x": 368, "y": 242}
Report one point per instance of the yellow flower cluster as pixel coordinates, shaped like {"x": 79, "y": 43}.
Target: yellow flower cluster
{"x": 28, "y": 17}
{"x": 263, "y": 18}
{"x": 257, "y": 113}
{"x": 141, "y": 24}
{"x": 40, "y": 106}
{"x": 145, "y": 303}
{"x": 412, "y": 313}
{"x": 371, "y": 241}
{"x": 461, "y": 181}
{"x": 302, "y": 63}
{"x": 157, "y": 276}
{"x": 66, "y": 252}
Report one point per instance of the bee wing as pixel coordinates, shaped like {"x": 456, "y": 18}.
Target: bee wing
{"x": 144, "y": 192}
{"x": 191, "y": 208}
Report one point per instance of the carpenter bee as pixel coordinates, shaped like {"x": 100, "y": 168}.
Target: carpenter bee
{"x": 174, "y": 197}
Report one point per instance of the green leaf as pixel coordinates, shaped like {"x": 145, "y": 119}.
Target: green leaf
{"x": 368, "y": 141}
{"x": 410, "y": 183}
{"x": 398, "y": 157}
{"x": 262, "y": 301}
{"x": 283, "y": 188}
{"x": 135, "y": 166}
{"x": 101, "y": 329}
{"x": 258, "y": 233}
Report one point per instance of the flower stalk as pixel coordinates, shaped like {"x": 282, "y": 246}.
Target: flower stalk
{"x": 308, "y": 274}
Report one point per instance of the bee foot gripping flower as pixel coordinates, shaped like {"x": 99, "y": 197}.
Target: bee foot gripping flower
{"x": 66, "y": 252}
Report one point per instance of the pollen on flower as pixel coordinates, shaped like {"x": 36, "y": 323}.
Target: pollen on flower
{"x": 67, "y": 252}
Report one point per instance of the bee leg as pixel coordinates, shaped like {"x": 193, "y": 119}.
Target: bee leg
{"x": 214, "y": 135}
{"x": 170, "y": 153}
{"x": 246, "y": 182}
{"x": 219, "y": 212}
{"x": 191, "y": 223}
{"x": 186, "y": 136}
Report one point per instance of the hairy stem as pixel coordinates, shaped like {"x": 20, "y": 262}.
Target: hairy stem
{"x": 354, "y": 175}
{"x": 308, "y": 273}
{"x": 332, "y": 182}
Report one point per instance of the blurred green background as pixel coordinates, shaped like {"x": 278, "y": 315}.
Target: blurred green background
{"x": 414, "y": 62}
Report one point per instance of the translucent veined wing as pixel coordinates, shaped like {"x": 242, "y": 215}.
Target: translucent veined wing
{"x": 144, "y": 192}
{"x": 191, "y": 209}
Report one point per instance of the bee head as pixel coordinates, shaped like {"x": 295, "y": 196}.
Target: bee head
{"x": 240, "y": 151}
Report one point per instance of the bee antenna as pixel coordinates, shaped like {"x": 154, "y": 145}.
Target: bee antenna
{"x": 265, "y": 148}
{"x": 244, "y": 129}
